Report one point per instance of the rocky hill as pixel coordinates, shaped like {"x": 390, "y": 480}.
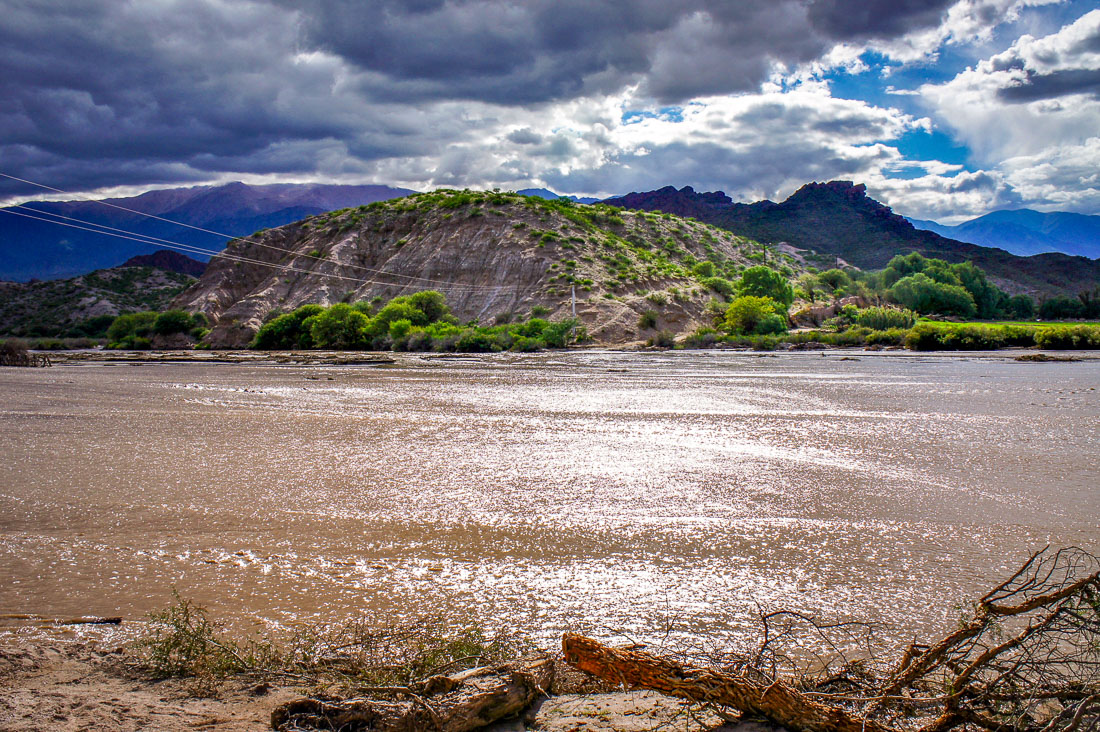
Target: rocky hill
{"x": 65, "y": 307}
{"x": 169, "y": 261}
{"x": 838, "y": 219}
{"x": 30, "y": 248}
{"x": 494, "y": 256}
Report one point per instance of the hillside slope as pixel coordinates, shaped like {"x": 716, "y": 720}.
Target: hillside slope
{"x": 53, "y": 307}
{"x": 838, "y": 219}
{"x": 36, "y": 249}
{"x": 493, "y": 255}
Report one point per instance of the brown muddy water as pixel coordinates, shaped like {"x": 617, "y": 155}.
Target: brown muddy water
{"x": 595, "y": 491}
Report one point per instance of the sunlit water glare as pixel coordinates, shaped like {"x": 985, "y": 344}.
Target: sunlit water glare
{"x": 589, "y": 490}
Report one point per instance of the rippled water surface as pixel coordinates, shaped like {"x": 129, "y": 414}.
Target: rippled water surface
{"x": 588, "y": 490}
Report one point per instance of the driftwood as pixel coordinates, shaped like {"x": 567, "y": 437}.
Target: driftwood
{"x": 465, "y": 701}
{"x": 746, "y": 691}
{"x": 1027, "y": 660}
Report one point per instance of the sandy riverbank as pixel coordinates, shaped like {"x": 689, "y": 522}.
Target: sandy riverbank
{"x": 53, "y": 680}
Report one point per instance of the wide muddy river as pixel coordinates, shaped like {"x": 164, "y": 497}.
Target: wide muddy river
{"x": 598, "y": 491}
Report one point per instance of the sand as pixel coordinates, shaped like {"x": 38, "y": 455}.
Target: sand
{"x": 52, "y": 682}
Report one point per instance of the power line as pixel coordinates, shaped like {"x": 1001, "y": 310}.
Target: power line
{"x": 231, "y": 237}
{"x": 192, "y": 249}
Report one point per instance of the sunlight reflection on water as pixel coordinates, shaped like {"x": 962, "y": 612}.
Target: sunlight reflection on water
{"x": 590, "y": 490}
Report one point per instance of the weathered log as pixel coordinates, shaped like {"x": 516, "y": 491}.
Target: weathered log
{"x": 457, "y": 703}
{"x": 746, "y": 692}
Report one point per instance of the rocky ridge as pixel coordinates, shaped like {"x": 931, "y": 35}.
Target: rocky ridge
{"x": 839, "y": 219}
{"x": 494, "y": 255}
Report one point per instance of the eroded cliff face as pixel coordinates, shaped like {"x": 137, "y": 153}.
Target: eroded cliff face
{"x": 491, "y": 254}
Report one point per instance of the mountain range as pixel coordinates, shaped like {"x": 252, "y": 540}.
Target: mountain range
{"x": 839, "y": 219}
{"x": 31, "y": 248}
{"x": 1026, "y": 232}
{"x": 549, "y": 195}
{"x": 835, "y": 220}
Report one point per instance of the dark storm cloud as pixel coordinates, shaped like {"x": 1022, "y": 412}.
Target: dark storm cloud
{"x": 540, "y": 50}
{"x": 1055, "y": 84}
{"x": 879, "y": 19}
{"x": 94, "y": 92}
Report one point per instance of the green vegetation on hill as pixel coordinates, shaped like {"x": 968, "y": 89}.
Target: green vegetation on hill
{"x": 418, "y": 322}
{"x": 83, "y": 307}
{"x": 627, "y": 250}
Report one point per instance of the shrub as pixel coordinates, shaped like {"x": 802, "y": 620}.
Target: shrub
{"x": 720, "y": 285}
{"x": 557, "y": 335}
{"x": 524, "y": 344}
{"x": 889, "y": 337}
{"x": 475, "y": 340}
{"x": 95, "y": 327}
{"x": 746, "y": 312}
{"x": 701, "y": 338}
{"x": 771, "y": 324}
{"x": 173, "y": 321}
{"x": 879, "y": 318}
{"x": 932, "y": 337}
{"x": 13, "y": 352}
{"x": 704, "y": 270}
{"x": 127, "y": 329}
{"x": 648, "y": 320}
{"x": 661, "y": 339}
{"x": 182, "y": 642}
{"x": 1068, "y": 337}
{"x": 537, "y": 311}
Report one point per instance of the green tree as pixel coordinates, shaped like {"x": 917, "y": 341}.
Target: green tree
{"x": 432, "y": 303}
{"x": 1061, "y": 307}
{"x": 341, "y": 327}
{"x": 173, "y": 321}
{"x": 1020, "y": 307}
{"x": 835, "y": 280}
{"x": 765, "y": 282}
{"x": 287, "y": 332}
{"x": 811, "y": 285}
{"x": 130, "y": 326}
{"x": 747, "y": 312}
{"x": 923, "y": 294}
{"x": 902, "y": 265}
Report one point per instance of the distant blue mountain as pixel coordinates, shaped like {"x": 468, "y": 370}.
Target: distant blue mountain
{"x": 1026, "y": 232}
{"x": 31, "y": 249}
{"x": 551, "y": 196}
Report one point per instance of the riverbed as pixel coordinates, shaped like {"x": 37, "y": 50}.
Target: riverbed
{"x": 616, "y": 493}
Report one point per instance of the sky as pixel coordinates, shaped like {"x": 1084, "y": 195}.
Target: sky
{"x": 945, "y": 109}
